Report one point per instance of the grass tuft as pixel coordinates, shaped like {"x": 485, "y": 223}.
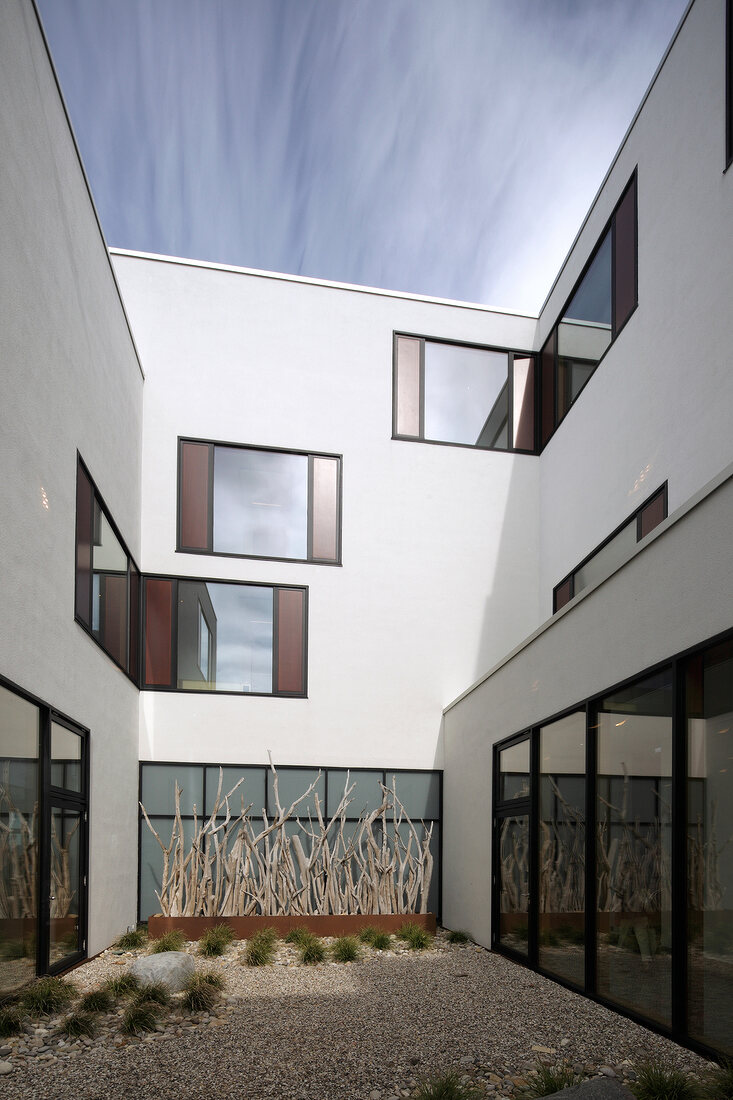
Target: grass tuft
{"x": 545, "y": 1080}
{"x": 312, "y": 951}
{"x": 215, "y": 940}
{"x": 447, "y": 1086}
{"x": 123, "y": 985}
{"x": 297, "y": 935}
{"x": 345, "y": 949}
{"x": 381, "y": 941}
{"x": 156, "y": 993}
{"x": 130, "y": 941}
{"x": 414, "y": 936}
{"x": 169, "y": 941}
{"x": 210, "y": 977}
{"x": 78, "y": 1024}
{"x": 458, "y": 937}
{"x": 11, "y": 1022}
{"x": 718, "y": 1084}
{"x": 201, "y": 993}
{"x": 141, "y": 1016}
{"x": 367, "y": 934}
{"x": 99, "y": 1000}
{"x": 259, "y": 949}
{"x": 655, "y": 1082}
{"x": 47, "y": 995}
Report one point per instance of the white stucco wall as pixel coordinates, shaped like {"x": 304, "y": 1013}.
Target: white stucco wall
{"x": 439, "y": 568}
{"x": 658, "y": 406}
{"x": 673, "y": 594}
{"x": 70, "y": 380}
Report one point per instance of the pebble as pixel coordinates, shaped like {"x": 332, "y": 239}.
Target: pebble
{"x": 5, "y": 1068}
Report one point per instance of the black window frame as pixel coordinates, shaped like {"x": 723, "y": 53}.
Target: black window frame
{"x": 552, "y": 336}
{"x": 511, "y": 354}
{"x": 729, "y": 84}
{"x": 132, "y": 635}
{"x": 172, "y": 687}
{"x": 635, "y": 517}
{"x": 212, "y": 444}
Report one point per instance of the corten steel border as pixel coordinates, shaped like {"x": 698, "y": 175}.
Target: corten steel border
{"x": 331, "y": 924}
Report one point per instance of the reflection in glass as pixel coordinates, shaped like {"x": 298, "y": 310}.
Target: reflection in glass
{"x": 514, "y": 880}
{"x": 260, "y": 503}
{"x": 710, "y": 846}
{"x": 19, "y": 729}
{"x": 65, "y": 758}
{"x": 634, "y": 841}
{"x": 236, "y": 621}
{"x": 584, "y": 332}
{"x": 109, "y": 588}
{"x": 65, "y": 882}
{"x": 562, "y": 848}
{"x": 466, "y": 395}
{"x": 514, "y": 771}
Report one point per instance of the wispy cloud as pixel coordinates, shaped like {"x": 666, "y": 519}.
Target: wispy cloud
{"x": 441, "y": 148}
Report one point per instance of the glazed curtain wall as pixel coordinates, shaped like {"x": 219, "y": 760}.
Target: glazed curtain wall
{"x": 419, "y": 791}
{"x": 627, "y": 801}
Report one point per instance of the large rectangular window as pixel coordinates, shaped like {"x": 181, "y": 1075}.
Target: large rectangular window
{"x": 463, "y": 394}
{"x": 601, "y": 303}
{"x": 107, "y": 580}
{"x": 224, "y": 636}
{"x": 260, "y": 503}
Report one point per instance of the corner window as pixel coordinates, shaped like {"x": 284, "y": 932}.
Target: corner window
{"x": 613, "y": 550}
{"x": 255, "y": 502}
{"x": 224, "y": 636}
{"x": 107, "y": 581}
{"x": 463, "y": 394}
{"x": 600, "y": 305}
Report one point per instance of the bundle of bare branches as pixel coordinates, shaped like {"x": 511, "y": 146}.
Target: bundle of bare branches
{"x": 295, "y": 863}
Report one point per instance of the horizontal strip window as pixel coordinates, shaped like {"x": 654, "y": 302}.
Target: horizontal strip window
{"x": 463, "y": 394}
{"x": 612, "y": 550}
{"x": 223, "y": 636}
{"x": 257, "y": 502}
{"x": 107, "y": 584}
{"x": 601, "y": 303}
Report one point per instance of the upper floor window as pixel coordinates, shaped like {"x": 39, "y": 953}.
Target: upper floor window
{"x": 613, "y": 551}
{"x": 107, "y": 580}
{"x": 224, "y": 636}
{"x": 601, "y": 303}
{"x": 463, "y": 394}
{"x": 257, "y": 502}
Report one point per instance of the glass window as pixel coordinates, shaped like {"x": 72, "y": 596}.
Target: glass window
{"x": 292, "y": 783}
{"x": 65, "y": 758}
{"x": 419, "y": 793}
{"x": 634, "y": 847}
{"x": 19, "y": 841}
{"x": 709, "y": 704}
{"x": 514, "y": 771}
{"x": 66, "y": 885}
{"x": 561, "y": 851}
{"x": 251, "y": 502}
{"x": 514, "y": 882}
{"x": 238, "y": 621}
{"x": 252, "y": 790}
{"x": 366, "y": 791}
{"x": 159, "y": 788}
{"x": 455, "y": 393}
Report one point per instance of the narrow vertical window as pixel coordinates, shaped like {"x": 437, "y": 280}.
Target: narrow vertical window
{"x": 325, "y": 509}
{"x": 84, "y": 513}
{"x": 194, "y": 500}
{"x": 523, "y": 403}
{"x": 624, "y": 259}
{"x": 407, "y": 387}
{"x": 290, "y": 644}
{"x": 158, "y": 632}
{"x": 547, "y": 367}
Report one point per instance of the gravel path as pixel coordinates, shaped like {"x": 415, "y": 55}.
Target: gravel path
{"x": 367, "y": 1030}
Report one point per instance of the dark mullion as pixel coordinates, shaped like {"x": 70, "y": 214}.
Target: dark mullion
{"x": 533, "y": 826}
{"x": 679, "y": 852}
{"x": 421, "y": 422}
{"x": 174, "y": 633}
{"x": 43, "y": 912}
{"x": 591, "y": 741}
{"x": 210, "y": 501}
{"x": 275, "y": 638}
{"x": 309, "y": 512}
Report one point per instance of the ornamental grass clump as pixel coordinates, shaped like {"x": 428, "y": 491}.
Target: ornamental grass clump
{"x": 381, "y": 941}
{"x": 47, "y": 995}
{"x": 448, "y": 1086}
{"x": 655, "y": 1082}
{"x": 141, "y": 1016}
{"x": 155, "y": 993}
{"x": 545, "y": 1080}
{"x": 259, "y": 950}
{"x": 718, "y": 1084}
{"x": 132, "y": 940}
{"x": 345, "y": 949}
{"x": 202, "y": 992}
{"x": 367, "y": 934}
{"x": 99, "y": 1000}
{"x": 215, "y": 940}
{"x": 11, "y": 1022}
{"x": 169, "y": 941}
{"x": 312, "y": 951}
{"x": 416, "y": 937}
{"x": 123, "y": 985}
{"x": 297, "y": 935}
{"x": 79, "y": 1024}
{"x": 458, "y": 937}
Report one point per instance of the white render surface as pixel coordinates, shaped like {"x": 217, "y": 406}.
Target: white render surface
{"x": 439, "y": 567}
{"x": 71, "y": 381}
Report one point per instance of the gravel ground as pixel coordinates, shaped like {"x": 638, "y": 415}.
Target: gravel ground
{"x": 368, "y": 1030}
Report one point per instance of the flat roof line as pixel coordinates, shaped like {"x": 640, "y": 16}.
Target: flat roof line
{"x": 328, "y": 283}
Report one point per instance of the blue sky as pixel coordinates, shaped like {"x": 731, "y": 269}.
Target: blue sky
{"x": 440, "y": 147}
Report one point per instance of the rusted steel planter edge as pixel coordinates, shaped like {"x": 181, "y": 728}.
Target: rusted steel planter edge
{"x": 321, "y": 925}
